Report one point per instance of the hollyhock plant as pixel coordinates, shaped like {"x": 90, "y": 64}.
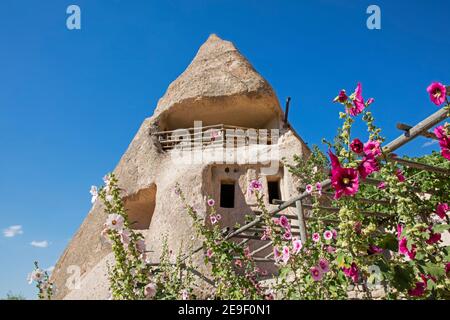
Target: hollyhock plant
{"x": 358, "y": 102}
{"x": 309, "y": 188}
{"x": 316, "y": 273}
{"x": 403, "y": 249}
{"x": 418, "y": 290}
{"x": 345, "y": 181}
{"x": 284, "y": 222}
{"x": 335, "y": 234}
{"x": 357, "y": 146}
{"x": 442, "y": 210}
{"x": 211, "y": 202}
{"x": 372, "y": 148}
{"x": 437, "y": 92}
{"x": 352, "y": 272}
{"x": 213, "y": 219}
{"x": 444, "y": 141}
{"x": 400, "y": 176}
{"x": 434, "y": 237}
{"x": 286, "y": 254}
{"x": 276, "y": 254}
{"x": 287, "y": 235}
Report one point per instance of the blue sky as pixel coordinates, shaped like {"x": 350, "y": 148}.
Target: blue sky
{"x": 71, "y": 101}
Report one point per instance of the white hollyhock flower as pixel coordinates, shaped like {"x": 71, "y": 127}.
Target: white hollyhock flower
{"x": 115, "y": 222}
{"x": 109, "y": 198}
{"x": 94, "y": 193}
{"x": 36, "y": 275}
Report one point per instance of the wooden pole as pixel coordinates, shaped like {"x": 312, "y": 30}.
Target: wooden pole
{"x": 301, "y": 220}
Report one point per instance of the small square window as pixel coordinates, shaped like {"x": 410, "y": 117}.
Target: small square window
{"x": 227, "y": 194}
{"x": 274, "y": 190}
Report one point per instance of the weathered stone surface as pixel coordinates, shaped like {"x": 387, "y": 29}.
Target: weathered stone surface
{"x": 219, "y": 87}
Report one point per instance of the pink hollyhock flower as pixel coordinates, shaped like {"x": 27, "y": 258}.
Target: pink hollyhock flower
{"x": 324, "y": 265}
{"x": 319, "y": 187}
{"x": 297, "y": 245}
{"x": 266, "y": 234}
{"x": 276, "y": 254}
{"x": 125, "y": 237}
{"x": 418, "y": 290}
{"x": 370, "y": 101}
{"x": 368, "y": 166}
{"x": 328, "y": 235}
{"x": 442, "y": 210}
{"x": 357, "y": 146}
{"x": 345, "y": 181}
{"x": 316, "y": 273}
{"x": 444, "y": 141}
{"x": 437, "y": 93}
{"x": 284, "y": 222}
{"x": 255, "y": 185}
{"x": 211, "y": 202}
{"x": 287, "y": 235}
{"x": 331, "y": 249}
{"x": 316, "y": 237}
{"x": 382, "y": 185}
{"x": 150, "y": 290}
{"x": 238, "y": 263}
{"x": 184, "y": 295}
{"x": 342, "y": 97}
{"x": 403, "y": 249}
{"x": 352, "y": 272}
{"x": 213, "y": 219}
{"x": 373, "y": 249}
{"x": 335, "y": 234}
{"x": 209, "y": 253}
{"x": 219, "y": 217}
{"x": 372, "y": 148}
{"x": 309, "y": 188}
{"x": 286, "y": 254}
{"x": 358, "y": 101}
{"x": 400, "y": 176}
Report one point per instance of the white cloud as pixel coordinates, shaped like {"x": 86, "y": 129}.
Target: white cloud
{"x": 39, "y": 244}
{"x": 429, "y": 143}
{"x": 12, "y": 231}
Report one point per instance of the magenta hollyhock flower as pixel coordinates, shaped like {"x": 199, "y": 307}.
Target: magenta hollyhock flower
{"x": 358, "y": 101}
{"x": 357, "y": 146}
{"x": 316, "y": 237}
{"x": 372, "y": 148}
{"x": 418, "y": 290}
{"x": 352, "y": 272}
{"x": 382, "y": 185}
{"x": 400, "y": 176}
{"x": 316, "y": 273}
{"x": 373, "y": 249}
{"x": 297, "y": 245}
{"x": 287, "y": 235}
{"x": 319, "y": 186}
{"x": 444, "y": 141}
{"x": 447, "y": 268}
{"x": 437, "y": 93}
{"x": 434, "y": 237}
{"x": 370, "y": 101}
{"x": 309, "y": 188}
{"x": 442, "y": 210}
{"x": 368, "y": 166}
{"x": 403, "y": 249}
{"x": 211, "y": 202}
{"x": 255, "y": 185}
{"x": 324, "y": 265}
{"x": 284, "y": 222}
{"x": 342, "y": 97}
{"x": 328, "y": 235}
{"x": 345, "y": 181}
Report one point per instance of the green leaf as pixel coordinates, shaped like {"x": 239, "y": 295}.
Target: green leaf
{"x": 439, "y": 228}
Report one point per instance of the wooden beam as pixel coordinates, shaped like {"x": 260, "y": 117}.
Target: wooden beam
{"x": 301, "y": 220}
{"x": 420, "y": 166}
{"x": 406, "y": 128}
